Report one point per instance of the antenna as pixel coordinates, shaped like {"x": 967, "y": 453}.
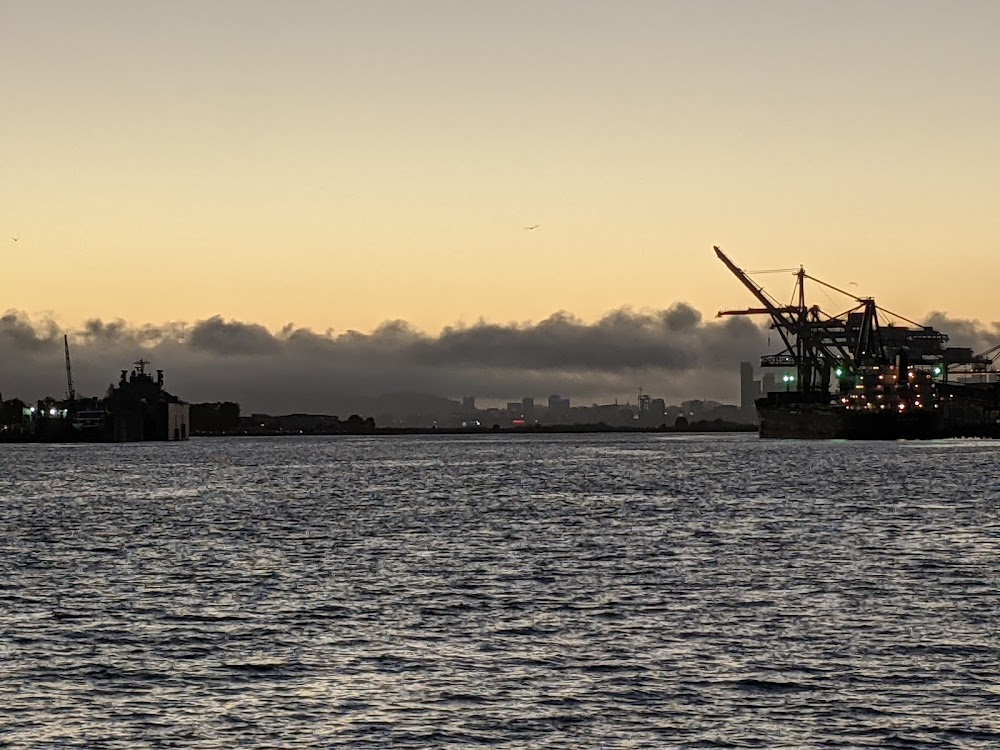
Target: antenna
{"x": 71, "y": 392}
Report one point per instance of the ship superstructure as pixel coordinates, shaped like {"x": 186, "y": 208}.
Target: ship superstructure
{"x": 848, "y": 375}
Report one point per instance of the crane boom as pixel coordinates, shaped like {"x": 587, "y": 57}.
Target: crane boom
{"x": 752, "y": 311}
{"x": 993, "y": 353}
{"x": 71, "y": 392}
{"x": 782, "y": 321}
{"x": 813, "y": 341}
{"x": 757, "y": 291}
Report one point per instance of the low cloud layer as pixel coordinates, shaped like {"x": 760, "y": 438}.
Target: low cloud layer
{"x": 672, "y": 353}
{"x": 963, "y": 332}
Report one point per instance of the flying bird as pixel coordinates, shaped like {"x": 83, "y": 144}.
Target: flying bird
{"x": 533, "y": 226}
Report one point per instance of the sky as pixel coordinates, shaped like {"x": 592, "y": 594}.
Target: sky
{"x": 336, "y": 165}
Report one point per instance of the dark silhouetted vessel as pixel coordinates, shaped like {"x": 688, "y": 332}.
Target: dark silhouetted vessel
{"x": 137, "y": 409}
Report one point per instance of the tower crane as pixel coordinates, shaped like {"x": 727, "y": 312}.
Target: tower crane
{"x": 71, "y": 392}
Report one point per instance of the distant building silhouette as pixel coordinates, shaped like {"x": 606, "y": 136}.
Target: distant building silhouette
{"x": 558, "y": 409}
{"x": 528, "y": 409}
{"x": 652, "y": 411}
{"x": 749, "y": 388}
{"x": 215, "y": 418}
{"x": 658, "y": 411}
{"x": 694, "y": 409}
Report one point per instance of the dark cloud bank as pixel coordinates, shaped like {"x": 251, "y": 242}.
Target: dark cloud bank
{"x": 672, "y": 353}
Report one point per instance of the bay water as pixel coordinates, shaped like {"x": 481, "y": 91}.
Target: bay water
{"x": 509, "y": 591}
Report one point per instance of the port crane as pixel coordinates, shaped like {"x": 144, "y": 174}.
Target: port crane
{"x": 993, "y": 353}
{"x": 818, "y": 345}
{"x": 815, "y": 342}
{"x": 983, "y": 362}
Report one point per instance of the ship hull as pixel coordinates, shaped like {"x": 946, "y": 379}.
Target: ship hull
{"x": 819, "y": 421}
{"x": 801, "y": 422}
{"x": 832, "y": 423}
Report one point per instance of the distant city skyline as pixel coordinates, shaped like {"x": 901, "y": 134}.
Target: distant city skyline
{"x": 675, "y": 354}
{"x": 336, "y": 164}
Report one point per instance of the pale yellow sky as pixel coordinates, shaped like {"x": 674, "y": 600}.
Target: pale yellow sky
{"x": 337, "y": 164}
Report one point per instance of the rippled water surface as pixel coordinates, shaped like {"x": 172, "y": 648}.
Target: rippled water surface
{"x": 508, "y": 591}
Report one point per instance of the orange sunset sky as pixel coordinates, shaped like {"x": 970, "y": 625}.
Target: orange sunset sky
{"x": 337, "y": 164}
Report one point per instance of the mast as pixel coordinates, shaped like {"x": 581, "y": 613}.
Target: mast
{"x": 71, "y": 392}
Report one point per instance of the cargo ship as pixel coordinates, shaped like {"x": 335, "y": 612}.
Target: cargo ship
{"x": 849, "y": 376}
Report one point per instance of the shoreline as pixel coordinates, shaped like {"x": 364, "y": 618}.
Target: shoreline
{"x": 696, "y": 428}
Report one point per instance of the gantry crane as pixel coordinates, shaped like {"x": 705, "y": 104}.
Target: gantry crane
{"x": 816, "y": 344}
